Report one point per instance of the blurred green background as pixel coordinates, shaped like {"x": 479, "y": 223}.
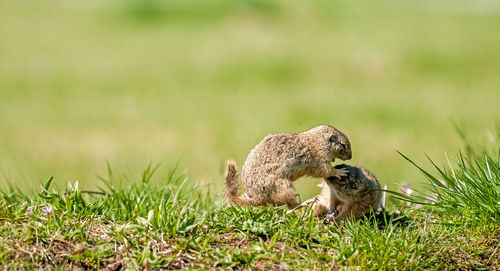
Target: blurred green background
{"x": 199, "y": 82}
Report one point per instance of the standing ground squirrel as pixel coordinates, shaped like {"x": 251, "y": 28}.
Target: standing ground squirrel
{"x": 280, "y": 159}
{"x": 355, "y": 194}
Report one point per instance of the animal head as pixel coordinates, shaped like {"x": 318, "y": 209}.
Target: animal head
{"x": 333, "y": 140}
{"x": 352, "y": 182}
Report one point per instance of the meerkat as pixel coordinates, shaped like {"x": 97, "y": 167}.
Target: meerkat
{"x": 280, "y": 159}
{"x": 353, "y": 195}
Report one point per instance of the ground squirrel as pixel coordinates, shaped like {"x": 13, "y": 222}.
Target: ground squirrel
{"x": 353, "y": 195}
{"x": 280, "y": 159}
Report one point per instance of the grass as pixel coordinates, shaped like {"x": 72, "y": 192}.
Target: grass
{"x": 471, "y": 189}
{"x": 167, "y": 223}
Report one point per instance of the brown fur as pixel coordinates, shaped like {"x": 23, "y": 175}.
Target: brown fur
{"x": 352, "y": 195}
{"x": 280, "y": 159}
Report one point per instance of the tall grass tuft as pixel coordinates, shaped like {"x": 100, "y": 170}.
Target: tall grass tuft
{"x": 468, "y": 189}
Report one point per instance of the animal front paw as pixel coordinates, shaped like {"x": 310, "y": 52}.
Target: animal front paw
{"x": 341, "y": 172}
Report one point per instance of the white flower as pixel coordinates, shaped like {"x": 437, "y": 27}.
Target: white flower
{"x": 432, "y": 198}
{"x": 443, "y": 183}
{"x": 47, "y": 210}
{"x": 407, "y": 190}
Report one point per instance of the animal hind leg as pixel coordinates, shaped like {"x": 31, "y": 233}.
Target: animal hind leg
{"x": 308, "y": 202}
{"x": 285, "y": 194}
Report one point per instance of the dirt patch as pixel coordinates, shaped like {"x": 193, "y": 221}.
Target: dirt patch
{"x": 466, "y": 258}
{"x": 180, "y": 262}
{"x": 59, "y": 252}
{"x": 229, "y": 239}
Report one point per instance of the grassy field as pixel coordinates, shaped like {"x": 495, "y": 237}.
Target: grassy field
{"x": 199, "y": 82}
{"x": 166, "y": 223}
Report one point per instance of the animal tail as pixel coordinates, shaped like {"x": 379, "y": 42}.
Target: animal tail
{"x": 232, "y": 184}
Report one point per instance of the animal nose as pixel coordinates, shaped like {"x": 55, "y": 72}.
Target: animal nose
{"x": 348, "y": 154}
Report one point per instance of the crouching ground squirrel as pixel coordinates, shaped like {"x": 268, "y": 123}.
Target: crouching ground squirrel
{"x": 280, "y": 159}
{"x": 353, "y": 195}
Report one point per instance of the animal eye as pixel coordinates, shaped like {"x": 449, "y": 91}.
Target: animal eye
{"x": 333, "y": 139}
